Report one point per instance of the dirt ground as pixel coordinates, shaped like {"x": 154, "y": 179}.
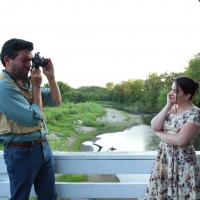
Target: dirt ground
{"x": 115, "y": 116}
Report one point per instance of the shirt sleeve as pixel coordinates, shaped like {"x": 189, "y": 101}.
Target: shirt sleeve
{"x": 14, "y": 106}
{"x": 195, "y": 118}
{"x": 47, "y": 100}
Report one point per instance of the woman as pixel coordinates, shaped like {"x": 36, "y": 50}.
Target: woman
{"x": 176, "y": 174}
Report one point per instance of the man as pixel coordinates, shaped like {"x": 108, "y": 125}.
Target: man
{"x": 27, "y": 153}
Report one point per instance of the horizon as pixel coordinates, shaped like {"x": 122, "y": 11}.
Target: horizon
{"x": 94, "y": 42}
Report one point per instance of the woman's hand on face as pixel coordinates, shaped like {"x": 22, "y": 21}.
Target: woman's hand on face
{"x": 169, "y": 102}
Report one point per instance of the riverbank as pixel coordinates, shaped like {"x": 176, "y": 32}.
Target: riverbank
{"x": 113, "y": 117}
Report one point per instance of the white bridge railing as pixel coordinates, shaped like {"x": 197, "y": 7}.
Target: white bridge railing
{"x": 95, "y": 163}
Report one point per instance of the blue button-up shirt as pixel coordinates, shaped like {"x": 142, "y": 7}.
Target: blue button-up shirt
{"x": 14, "y": 106}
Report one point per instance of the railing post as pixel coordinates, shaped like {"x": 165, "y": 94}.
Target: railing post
{"x": 4, "y": 180}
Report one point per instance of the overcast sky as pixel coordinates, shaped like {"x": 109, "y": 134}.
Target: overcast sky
{"x": 92, "y": 42}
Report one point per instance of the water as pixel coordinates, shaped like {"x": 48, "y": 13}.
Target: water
{"x": 136, "y": 138}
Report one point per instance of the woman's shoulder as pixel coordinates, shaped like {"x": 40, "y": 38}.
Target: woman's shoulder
{"x": 192, "y": 110}
{"x": 195, "y": 109}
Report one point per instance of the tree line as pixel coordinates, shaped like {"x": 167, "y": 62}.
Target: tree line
{"x": 142, "y": 96}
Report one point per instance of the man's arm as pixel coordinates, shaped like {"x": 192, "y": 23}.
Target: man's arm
{"x": 54, "y": 89}
{"x": 36, "y": 80}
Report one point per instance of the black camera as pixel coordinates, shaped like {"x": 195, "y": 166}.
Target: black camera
{"x": 37, "y": 61}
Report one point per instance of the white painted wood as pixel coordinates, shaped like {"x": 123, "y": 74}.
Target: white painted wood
{"x": 4, "y": 177}
{"x": 95, "y": 163}
{"x": 99, "y": 190}
{"x": 4, "y": 189}
{"x": 104, "y": 166}
{"x": 90, "y": 190}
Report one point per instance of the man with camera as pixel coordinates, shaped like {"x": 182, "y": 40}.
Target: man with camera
{"x": 23, "y": 129}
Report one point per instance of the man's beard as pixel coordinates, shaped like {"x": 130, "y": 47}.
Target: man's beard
{"x": 18, "y": 73}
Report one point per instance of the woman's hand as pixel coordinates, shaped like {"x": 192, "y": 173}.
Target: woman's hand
{"x": 169, "y": 102}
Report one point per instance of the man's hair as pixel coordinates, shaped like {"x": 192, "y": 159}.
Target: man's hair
{"x": 12, "y": 46}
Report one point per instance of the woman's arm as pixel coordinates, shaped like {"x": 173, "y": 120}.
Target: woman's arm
{"x": 187, "y": 132}
{"x": 158, "y": 121}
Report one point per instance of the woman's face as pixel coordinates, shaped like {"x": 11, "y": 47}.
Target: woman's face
{"x": 177, "y": 95}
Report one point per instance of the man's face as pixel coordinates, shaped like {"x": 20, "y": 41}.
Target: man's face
{"x": 21, "y": 65}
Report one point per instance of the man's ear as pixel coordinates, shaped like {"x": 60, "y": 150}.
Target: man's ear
{"x": 6, "y": 60}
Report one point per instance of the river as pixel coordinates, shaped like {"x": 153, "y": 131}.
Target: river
{"x": 136, "y": 138}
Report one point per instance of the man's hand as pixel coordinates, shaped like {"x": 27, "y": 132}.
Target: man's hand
{"x": 48, "y": 71}
{"x": 36, "y": 76}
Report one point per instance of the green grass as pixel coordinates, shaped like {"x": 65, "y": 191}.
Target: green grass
{"x": 107, "y": 103}
{"x": 63, "y": 120}
{"x": 71, "y": 178}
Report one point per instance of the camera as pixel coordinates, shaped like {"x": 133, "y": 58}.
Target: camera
{"x": 37, "y": 61}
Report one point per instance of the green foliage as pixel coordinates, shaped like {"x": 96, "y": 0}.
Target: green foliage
{"x": 162, "y": 99}
{"x": 74, "y": 96}
{"x": 110, "y": 85}
{"x": 88, "y": 122}
{"x": 106, "y": 103}
{"x": 62, "y": 120}
{"x": 71, "y": 178}
{"x": 193, "y": 69}
{"x": 64, "y": 87}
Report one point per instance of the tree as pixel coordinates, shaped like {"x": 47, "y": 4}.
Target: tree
{"x": 152, "y": 85}
{"x": 110, "y": 85}
{"x": 118, "y": 93}
{"x": 162, "y": 99}
{"x": 193, "y": 69}
{"x": 64, "y": 87}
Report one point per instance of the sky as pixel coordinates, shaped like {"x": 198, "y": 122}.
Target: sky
{"x": 93, "y": 42}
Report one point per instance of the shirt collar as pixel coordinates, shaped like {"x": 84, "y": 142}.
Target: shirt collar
{"x": 26, "y": 80}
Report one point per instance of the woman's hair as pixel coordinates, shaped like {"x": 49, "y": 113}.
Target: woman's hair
{"x": 12, "y": 46}
{"x": 188, "y": 85}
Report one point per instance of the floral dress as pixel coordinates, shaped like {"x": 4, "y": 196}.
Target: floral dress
{"x": 176, "y": 172}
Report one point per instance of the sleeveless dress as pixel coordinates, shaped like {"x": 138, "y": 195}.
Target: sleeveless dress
{"x": 176, "y": 171}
